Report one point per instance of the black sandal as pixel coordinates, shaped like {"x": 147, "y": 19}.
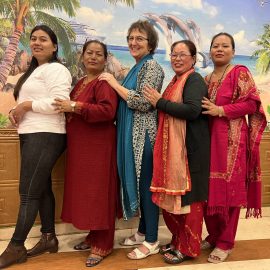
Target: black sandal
{"x": 165, "y": 248}
{"x": 93, "y": 261}
{"x": 177, "y": 257}
{"x": 82, "y": 246}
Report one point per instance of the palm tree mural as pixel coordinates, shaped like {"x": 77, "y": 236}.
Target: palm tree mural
{"x": 26, "y": 13}
{"x": 263, "y": 54}
{"x": 127, "y": 2}
{"x": 5, "y": 32}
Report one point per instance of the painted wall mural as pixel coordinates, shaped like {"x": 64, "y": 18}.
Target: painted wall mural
{"x": 76, "y": 21}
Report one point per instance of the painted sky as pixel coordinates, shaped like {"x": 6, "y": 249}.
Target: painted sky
{"x": 244, "y": 19}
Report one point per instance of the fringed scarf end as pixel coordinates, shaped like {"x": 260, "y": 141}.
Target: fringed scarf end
{"x": 254, "y": 212}
{"x": 219, "y": 210}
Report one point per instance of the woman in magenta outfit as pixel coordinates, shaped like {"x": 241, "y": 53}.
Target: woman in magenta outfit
{"x": 91, "y": 186}
{"x": 235, "y": 179}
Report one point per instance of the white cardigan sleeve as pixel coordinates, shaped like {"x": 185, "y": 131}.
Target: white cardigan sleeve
{"x": 57, "y": 80}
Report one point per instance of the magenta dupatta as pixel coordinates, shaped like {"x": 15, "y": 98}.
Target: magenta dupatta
{"x": 235, "y": 174}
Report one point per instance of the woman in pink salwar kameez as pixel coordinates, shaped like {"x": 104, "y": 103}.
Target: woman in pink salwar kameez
{"x": 237, "y": 122}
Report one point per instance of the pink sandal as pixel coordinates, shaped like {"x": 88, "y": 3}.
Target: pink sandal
{"x": 218, "y": 255}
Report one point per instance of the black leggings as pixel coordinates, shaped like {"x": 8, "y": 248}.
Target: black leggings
{"x": 39, "y": 152}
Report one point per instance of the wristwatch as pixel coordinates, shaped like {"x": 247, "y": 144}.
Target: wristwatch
{"x": 73, "y": 104}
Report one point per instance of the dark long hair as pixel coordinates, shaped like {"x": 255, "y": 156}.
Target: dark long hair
{"x": 34, "y": 63}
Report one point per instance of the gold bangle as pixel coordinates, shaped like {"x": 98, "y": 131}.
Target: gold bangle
{"x": 12, "y": 109}
{"x": 220, "y": 114}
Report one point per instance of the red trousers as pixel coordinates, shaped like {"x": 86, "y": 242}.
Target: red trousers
{"x": 101, "y": 241}
{"x": 222, "y": 233}
{"x": 186, "y": 229}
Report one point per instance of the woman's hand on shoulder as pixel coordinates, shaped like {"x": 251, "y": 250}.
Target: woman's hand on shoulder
{"x": 151, "y": 95}
{"x": 109, "y": 78}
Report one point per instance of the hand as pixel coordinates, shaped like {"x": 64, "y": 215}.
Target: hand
{"x": 151, "y": 95}
{"x": 105, "y": 76}
{"x": 16, "y": 115}
{"x": 211, "y": 108}
{"x": 12, "y": 118}
{"x": 62, "y": 105}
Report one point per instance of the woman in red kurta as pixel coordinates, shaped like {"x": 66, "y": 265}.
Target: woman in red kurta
{"x": 90, "y": 196}
{"x": 235, "y": 179}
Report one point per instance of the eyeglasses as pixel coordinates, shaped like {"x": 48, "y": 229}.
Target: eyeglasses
{"x": 181, "y": 55}
{"x": 138, "y": 39}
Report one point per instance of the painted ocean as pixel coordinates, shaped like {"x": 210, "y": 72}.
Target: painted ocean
{"x": 122, "y": 54}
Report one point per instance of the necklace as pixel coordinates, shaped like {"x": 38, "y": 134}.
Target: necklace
{"x": 213, "y": 90}
{"x": 86, "y": 80}
{"x": 82, "y": 87}
{"x": 221, "y": 78}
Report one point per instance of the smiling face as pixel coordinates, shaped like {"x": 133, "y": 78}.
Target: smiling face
{"x": 181, "y": 59}
{"x": 42, "y": 47}
{"x": 94, "y": 58}
{"x": 138, "y": 44}
{"x": 222, "y": 50}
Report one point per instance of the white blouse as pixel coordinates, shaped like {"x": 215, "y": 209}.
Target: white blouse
{"x": 47, "y": 82}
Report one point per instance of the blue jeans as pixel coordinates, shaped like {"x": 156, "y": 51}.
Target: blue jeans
{"x": 39, "y": 153}
{"x": 149, "y": 211}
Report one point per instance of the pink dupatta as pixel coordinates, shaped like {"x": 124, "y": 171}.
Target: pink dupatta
{"x": 171, "y": 177}
{"x": 226, "y": 143}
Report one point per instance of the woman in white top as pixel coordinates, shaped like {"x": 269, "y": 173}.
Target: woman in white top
{"x": 42, "y": 136}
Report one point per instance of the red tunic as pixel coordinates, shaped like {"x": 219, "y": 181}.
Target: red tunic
{"x": 90, "y": 195}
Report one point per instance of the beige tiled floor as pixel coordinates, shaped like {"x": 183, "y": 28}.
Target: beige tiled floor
{"x": 243, "y": 265}
{"x": 248, "y": 229}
